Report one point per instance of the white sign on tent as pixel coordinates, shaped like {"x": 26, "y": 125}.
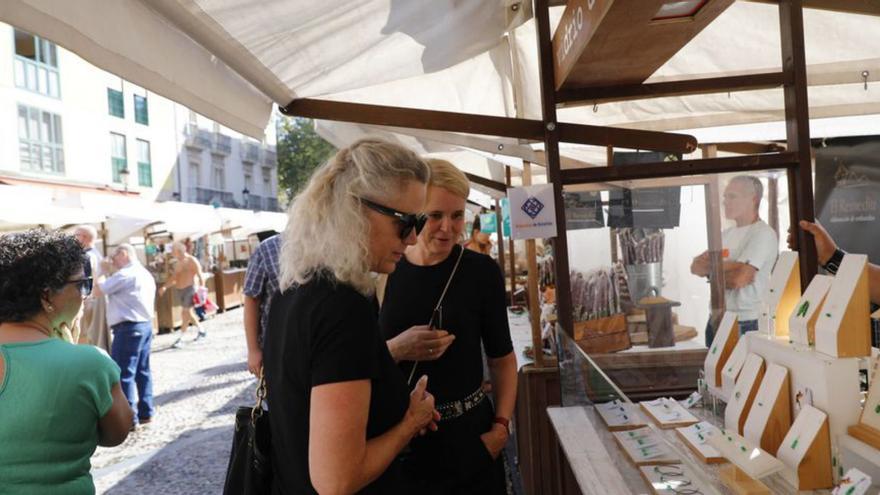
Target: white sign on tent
{"x": 532, "y": 211}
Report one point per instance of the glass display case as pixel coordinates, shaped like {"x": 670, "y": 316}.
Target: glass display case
{"x": 690, "y": 367}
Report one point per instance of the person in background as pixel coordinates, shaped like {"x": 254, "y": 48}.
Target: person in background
{"x": 131, "y": 295}
{"x": 749, "y": 252}
{"x": 186, "y": 272}
{"x": 341, "y": 411}
{"x": 94, "y": 320}
{"x": 260, "y": 285}
{"x": 830, "y": 256}
{"x": 58, "y": 400}
{"x": 464, "y": 455}
{"x": 479, "y": 241}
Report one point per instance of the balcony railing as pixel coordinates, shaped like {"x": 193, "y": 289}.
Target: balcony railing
{"x": 207, "y": 196}
{"x": 250, "y": 152}
{"x": 222, "y": 143}
{"x": 198, "y": 138}
{"x": 261, "y": 203}
{"x": 270, "y": 158}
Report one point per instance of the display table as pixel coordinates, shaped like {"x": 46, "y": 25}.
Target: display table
{"x": 599, "y": 466}
{"x": 230, "y": 288}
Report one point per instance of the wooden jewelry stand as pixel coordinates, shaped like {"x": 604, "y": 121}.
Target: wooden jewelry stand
{"x": 744, "y": 393}
{"x": 802, "y": 323}
{"x": 656, "y": 412}
{"x": 741, "y": 483}
{"x": 636, "y": 446}
{"x": 748, "y": 463}
{"x": 770, "y": 416}
{"x": 722, "y": 345}
{"x": 782, "y": 295}
{"x": 868, "y": 427}
{"x": 807, "y": 449}
{"x": 620, "y": 416}
{"x": 844, "y": 327}
{"x": 696, "y": 439}
{"x": 732, "y": 369}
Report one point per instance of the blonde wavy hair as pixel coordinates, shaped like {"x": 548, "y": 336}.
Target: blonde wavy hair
{"x": 327, "y": 228}
{"x": 446, "y": 175}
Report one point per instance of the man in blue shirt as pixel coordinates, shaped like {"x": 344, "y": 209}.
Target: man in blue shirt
{"x": 260, "y": 285}
{"x": 131, "y": 293}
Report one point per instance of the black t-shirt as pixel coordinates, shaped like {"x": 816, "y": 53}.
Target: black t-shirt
{"x": 325, "y": 332}
{"x": 474, "y": 309}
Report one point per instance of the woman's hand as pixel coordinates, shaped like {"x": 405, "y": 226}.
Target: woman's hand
{"x": 495, "y": 439}
{"x": 421, "y": 415}
{"x": 420, "y": 343}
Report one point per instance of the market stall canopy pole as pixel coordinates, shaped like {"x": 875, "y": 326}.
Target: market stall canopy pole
{"x": 488, "y": 125}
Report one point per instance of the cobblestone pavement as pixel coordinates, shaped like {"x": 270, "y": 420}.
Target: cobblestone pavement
{"x": 197, "y": 390}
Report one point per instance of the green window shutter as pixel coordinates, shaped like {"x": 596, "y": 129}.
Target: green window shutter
{"x": 141, "y": 110}
{"x": 119, "y": 164}
{"x": 145, "y": 175}
{"x": 115, "y": 103}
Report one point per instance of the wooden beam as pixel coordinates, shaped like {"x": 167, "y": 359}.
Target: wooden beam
{"x": 680, "y": 168}
{"x": 594, "y": 95}
{"x": 626, "y": 138}
{"x": 533, "y": 288}
{"x": 500, "y": 232}
{"x": 797, "y": 129}
{"x": 511, "y": 247}
{"x": 488, "y": 125}
{"x": 745, "y": 148}
{"x": 491, "y": 184}
{"x": 712, "y": 192}
{"x": 866, "y": 7}
{"x": 552, "y": 136}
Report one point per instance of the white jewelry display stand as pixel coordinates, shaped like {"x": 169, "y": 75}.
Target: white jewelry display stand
{"x": 726, "y": 337}
{"x": 844, "y": 326}
{"x": 668, "y": 413}
{"x": 782, "y": 295}
{"x": 770, "y": 416}
{"x": 744, "y": 393}
{"x": 644, "y": 447}
{"x": 732, "y": 369}
{"x": 868, "y": 428}
{"x": 807, "y": 450}
{"x": 748, "y": 457}
{"x": 857, "y": 454}
{"x": 619, "y": 416}
{"x": 696, "y": 437}
{"x": 802, "y": 323}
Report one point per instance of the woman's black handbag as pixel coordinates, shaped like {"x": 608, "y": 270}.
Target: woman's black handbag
{"x": 250, "y": 468}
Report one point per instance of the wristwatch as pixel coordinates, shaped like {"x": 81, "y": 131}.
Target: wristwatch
{"x": 833, "y": 263}
{"x": 503, "y": 422}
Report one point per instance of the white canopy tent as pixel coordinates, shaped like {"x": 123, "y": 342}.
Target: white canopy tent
{"x": 230, "y": 59}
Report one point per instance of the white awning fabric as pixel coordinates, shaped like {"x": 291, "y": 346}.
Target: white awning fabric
{"x": 231, "y": 59}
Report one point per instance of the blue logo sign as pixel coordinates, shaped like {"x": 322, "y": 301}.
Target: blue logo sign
{"x": 532, "y": 207}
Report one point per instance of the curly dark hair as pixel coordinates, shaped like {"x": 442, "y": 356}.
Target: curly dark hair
{"x": 30, "y": 263}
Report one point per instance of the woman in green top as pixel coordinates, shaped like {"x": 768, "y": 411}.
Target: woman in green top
{"x": 58, "y": 400}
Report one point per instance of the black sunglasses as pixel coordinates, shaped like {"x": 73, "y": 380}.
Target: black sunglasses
{"x": 408, "y": 221}
{"x": 85, "y": 285}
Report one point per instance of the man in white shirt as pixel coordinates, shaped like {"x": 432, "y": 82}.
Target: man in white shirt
{"x": 131, "y": 293}
{"x": 749, "y": 252}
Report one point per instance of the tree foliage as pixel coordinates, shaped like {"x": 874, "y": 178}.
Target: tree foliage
{"x": 300, "y": 151}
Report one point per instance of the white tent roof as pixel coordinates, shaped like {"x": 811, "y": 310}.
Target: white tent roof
{"x": 229, "y": 59}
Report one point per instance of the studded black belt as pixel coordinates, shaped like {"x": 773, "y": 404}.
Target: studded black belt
{"x": 454, "y": 409}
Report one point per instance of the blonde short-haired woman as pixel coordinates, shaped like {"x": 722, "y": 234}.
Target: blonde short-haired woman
{"x": 341, "y": 411}
{"x": 463, "y": 456}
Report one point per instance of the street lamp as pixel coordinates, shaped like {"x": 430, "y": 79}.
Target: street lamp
{"x": 245, "y": 194}
{"x": 123, "y": 176}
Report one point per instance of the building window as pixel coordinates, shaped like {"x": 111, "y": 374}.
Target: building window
{"x": 36, "y": 64}
{"x": 267, "y": 181}
{"x": 118, "y": 155}
{"x": 218, "y": 172}
{"x": 145, "y": 168}
{"x": 115, "y": 103}
{"x": 141, "y": 112}
{"x": 41, "y": 148}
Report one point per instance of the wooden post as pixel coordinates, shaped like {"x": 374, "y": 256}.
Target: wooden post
{"x": 773, "y": 204}
{"x": 713, "y": 231}
{"x": 500, "y": 236}
{"x": 797, "y": 128}
{"x": 511, "y": 247}
{"x": 104, "y": 238}
{"x": 609, "y": 161}
{"x": 534, "y": 296}
{"x": 554, "y": 170}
